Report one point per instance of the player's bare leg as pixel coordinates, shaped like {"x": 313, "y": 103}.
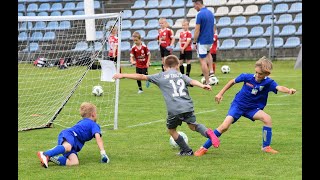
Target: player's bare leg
{"x": 209, "y": 62}
{"x": 204, "y": 68}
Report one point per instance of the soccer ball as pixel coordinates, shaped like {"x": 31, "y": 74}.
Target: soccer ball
{"x": 97, "y": 90}
{"x": 174, "y": 144}
{"x": 225, "y": 69}
{"x": 213, "y": 80}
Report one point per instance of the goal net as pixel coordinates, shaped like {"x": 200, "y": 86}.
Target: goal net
{"x": 60, "y": 60}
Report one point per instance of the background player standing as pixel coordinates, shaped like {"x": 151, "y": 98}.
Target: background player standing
{"x": 185, "y": 47}
{"x": 140, "y": 56}
{"x": 166, "y": 39}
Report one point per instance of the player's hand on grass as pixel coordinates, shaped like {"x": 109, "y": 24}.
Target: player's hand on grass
{"x": 292, "y": 91}
{"x": 104, "y": 157}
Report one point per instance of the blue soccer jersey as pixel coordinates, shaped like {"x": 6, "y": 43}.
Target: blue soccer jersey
{"x": 254, "y": 94}
{"x": 206, "y": 20}
{"x": 80, "y": 133}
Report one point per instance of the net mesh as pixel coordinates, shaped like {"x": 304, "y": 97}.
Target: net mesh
{"x": 58, "y": 67}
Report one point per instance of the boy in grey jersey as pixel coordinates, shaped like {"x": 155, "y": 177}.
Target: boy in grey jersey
{"x": 173, "y": 86}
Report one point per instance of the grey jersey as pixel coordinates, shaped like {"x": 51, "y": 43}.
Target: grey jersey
{"x": 173, "y": 86}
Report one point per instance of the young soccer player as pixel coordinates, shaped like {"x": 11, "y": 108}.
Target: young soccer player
{"x": 113, "y": 44}
{"x": 213, "y": 49}
{"x": 140, "y": 56}
{"x": 166, "y": 39}
{"x": 71, "y": 140}
{"x": 173, "y": 86}
{"x": 249, "y": 102}
{"x": 185, "y": 47}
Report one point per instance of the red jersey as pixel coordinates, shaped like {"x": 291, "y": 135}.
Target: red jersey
{"x": 140, "y": 54}
{"x": 165, "y": 36}
{"x": 184, "y": 36}
{"x": 113, "y": 40}
{"x": 214, "y": 46}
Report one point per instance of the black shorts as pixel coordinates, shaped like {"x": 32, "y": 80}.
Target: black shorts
{"x": 142, "y": 71}
{"x": 175, "y": 121}
{"x": 113, "y": 59}
{"x": 186, "y": 56}
{"x": 164, "y": 51}
{"x": 214, "y": 57}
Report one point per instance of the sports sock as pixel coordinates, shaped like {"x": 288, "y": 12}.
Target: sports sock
{"x": 59, "y": 149}
{"x": 181, "y": 69}
{"x": 266, "y": 136}
{"x": 208, "y": 143}
{"x": 182, "y": 144}
{"x": 139, "y": 84}
{"x": 188, "y": 69}
{"x": 202, "y": 130}
{"x": 60, "y": 160}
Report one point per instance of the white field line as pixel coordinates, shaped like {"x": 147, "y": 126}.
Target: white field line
{"x": 161, "y": 120}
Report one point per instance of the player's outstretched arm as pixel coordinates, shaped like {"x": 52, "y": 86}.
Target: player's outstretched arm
{"x": 219, "y": 96}
{"x": 130, "y": 76}
{"x": 104, "y": 157}
{"x": 286, "y": 90}
{"x": 199, "y": 84}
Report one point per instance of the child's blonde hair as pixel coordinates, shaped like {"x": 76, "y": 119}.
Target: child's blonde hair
{"x": 164, "y": 22}
{"x": 185, "y": 20}
{"x": 87, "y": 109}
{"x": 265, "y": 64}
{"x": 112, "y": 28}
{"x": 171, "y": 61}
{"x": 136, "y": 35}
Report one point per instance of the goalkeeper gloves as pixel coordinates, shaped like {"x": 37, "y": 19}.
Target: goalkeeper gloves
{"x": 104, "y": 157}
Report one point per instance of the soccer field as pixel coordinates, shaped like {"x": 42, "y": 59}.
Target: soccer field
{"x": 140, "y": 149}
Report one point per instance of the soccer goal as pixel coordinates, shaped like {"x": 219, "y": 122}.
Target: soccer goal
{"x": 60, "y": 60}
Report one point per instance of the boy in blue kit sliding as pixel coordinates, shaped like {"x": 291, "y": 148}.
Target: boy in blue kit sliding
{"x": 249, "y": 102}
{"x": 71, "y": 140}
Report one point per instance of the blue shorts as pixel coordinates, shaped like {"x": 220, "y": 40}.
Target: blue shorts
{"x": 236, "y": 112}
{"x": 70, "y": 138}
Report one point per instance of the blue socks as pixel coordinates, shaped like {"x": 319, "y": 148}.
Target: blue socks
{"x": 59, "y": 149}
{"x": 208, "y": 143}
{"x": 266, "y": 136}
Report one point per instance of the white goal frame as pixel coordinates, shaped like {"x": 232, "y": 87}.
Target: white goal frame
{"x": 118, "y": 18}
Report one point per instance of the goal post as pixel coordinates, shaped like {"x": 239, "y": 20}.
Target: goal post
{"x": 58, "y": 65}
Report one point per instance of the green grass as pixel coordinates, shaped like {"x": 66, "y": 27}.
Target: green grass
{"x": 140, "y": 148}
